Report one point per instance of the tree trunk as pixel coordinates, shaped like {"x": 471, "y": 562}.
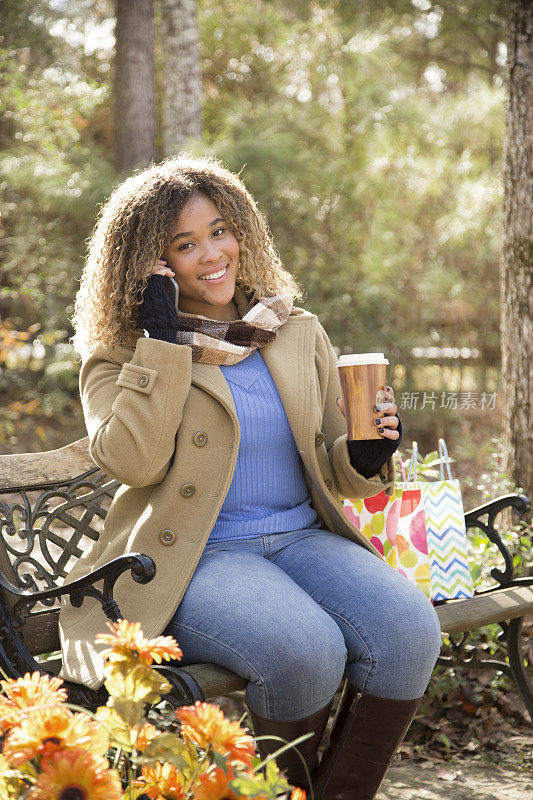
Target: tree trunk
{"x": 135, "y": 123}
{"x": 182, "y": 83}
{"x": 516, "y": 268}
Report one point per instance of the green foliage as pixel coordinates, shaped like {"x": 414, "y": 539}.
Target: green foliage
{"x": 370, "y": 136}
{"x": 375, "y": 187}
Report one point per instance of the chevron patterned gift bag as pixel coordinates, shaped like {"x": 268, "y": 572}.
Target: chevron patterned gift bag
{"x": 446, "y": 532}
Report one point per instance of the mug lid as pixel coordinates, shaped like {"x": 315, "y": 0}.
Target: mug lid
{"x": 355, "y": 359}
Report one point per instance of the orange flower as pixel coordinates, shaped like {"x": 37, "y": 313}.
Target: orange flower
{"x": 162, "y": 782}
{"x": 145, "y": 735}
{"x": 31, "y": 690}
{"x": 76, "y": 774}
{"x": 298, "y": 794}
{"x": 47, "y": 730}
{"x": 205, "y": 725}
{"x": 214, "y": 785}
{"x": 126, "y": 640}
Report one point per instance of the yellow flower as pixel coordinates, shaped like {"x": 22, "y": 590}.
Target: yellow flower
{"x": 46, "y": 730}
{"x": 76, "y": 775}
{"x": 205, "y": 725}
{"x": 31, "y": 690}
{"x": 161, "y": 782}
{"x": 12, "y": 783}
{"x": 126, "y": 640}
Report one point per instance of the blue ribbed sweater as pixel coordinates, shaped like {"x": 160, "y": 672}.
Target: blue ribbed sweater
{"x": 268, "y": 493}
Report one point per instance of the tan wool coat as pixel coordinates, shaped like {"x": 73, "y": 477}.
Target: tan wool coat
{"x": 167, "y": 429}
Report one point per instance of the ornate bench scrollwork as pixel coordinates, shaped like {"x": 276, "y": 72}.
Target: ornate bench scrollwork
{"x": 44, "y": 529}
{"x": 505, "y": 604}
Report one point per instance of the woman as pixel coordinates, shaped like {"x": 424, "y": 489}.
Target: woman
{"x": 223, "y": 423}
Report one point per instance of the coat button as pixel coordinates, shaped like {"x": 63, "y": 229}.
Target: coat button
{"x": 200, "y": 438}
{"x": 187, "y": 489}
{"x": 329, "y": 485}
{"x": 143, "y": 380}
{"x": 319, "y": 439}
{"x": 167, "y": 537}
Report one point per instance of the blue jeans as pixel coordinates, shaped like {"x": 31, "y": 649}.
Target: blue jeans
{"x": 291, "y": 611}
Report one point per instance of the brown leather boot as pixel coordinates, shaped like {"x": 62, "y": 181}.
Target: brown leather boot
{"x": 289, "y": 761}
{"x": 366, "y": 732}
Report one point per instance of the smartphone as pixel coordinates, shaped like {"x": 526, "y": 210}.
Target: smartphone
{"x": 174, "y": 291}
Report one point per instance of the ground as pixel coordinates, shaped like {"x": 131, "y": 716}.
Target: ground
{"x": 460, "y": 779}
{"x": 495, "y": 764}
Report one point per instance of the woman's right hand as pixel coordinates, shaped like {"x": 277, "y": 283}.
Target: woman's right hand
{"x": 161, "y": 269}
{"x": 158, "y": 314}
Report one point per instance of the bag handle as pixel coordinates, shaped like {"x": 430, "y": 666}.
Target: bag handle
{"x": 444, "y": 459}
{"x": 401, "y": 465}
{"x": 413, "y": 469}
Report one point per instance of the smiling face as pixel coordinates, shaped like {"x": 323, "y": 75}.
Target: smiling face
{"x": 204, "y": 255}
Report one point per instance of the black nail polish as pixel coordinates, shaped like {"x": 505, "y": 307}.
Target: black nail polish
{"x": 377, "y": 421}
{"x": 377, "y": 408}
{"x": 381, "y": 430}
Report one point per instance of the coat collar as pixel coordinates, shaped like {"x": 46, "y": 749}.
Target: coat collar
{"x": 290, "y": 360}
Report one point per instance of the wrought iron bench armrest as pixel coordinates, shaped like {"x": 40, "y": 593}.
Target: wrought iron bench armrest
{"x": 520, "y": 504}
{"x": 142, "y": 571}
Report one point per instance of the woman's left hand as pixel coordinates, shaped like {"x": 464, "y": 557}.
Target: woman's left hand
{"x": 384, "y": 419}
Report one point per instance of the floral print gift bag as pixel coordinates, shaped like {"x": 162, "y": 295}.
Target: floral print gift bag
{"x": 377, "y": 518}
{"x": 396, "y": 526}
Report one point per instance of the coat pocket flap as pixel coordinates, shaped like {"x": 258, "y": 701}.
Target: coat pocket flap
{"x": 141, "y": 379}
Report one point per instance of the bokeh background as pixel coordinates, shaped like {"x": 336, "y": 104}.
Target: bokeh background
{"x": 370, "y": 134}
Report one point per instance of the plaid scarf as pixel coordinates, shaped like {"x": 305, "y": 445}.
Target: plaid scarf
{"x": 216, "y": 342}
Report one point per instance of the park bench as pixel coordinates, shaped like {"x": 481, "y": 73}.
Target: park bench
{"x": 52, "y": 506}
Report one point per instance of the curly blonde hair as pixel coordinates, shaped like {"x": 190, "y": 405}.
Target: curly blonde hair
{"x": 132, "y": 229}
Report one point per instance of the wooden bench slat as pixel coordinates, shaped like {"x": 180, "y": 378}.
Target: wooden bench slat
{"x": 458, "y": 616}
{"x": 215, "y": 680}
{"x": 41, "y": 633}
{"x": 51, "y": 466}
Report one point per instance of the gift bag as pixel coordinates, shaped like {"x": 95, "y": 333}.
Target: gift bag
{"x": 411, "y": 535}
{"x": 395, "y": 525}
{"x": 446, "y": 532}
{"x": 377, "y": 519}
{"x": 420, "y": 529}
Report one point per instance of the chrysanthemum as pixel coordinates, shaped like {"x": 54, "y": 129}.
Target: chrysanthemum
{"x": 205, "y": 725}
{"x": 126, "y": 639}
{"x": 214, "y": 785}
{"x": 162, "y": 782}
{"x": 298, "y": 794}
{"x": 31, "y": 690}
{"x": 47, "y": 730}
{"x": 146, "y": 733}
{"x": 76, "y": 775}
